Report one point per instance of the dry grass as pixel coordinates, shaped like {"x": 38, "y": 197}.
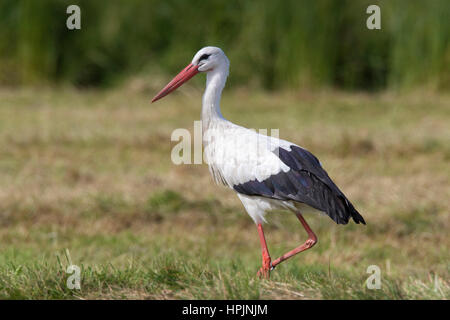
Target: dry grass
{"x": 91, "y": 172}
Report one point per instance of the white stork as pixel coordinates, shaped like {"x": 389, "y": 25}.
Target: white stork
{"x": 266, "y": 173}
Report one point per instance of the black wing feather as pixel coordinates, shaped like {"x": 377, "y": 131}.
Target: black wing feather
{"x": 307, "y": 182}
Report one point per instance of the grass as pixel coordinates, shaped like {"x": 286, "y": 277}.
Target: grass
{"x": 86, "y": 179}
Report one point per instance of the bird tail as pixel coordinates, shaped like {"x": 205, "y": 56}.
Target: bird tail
{"x": 355, "y": 214}
{"x": 341, "y": 210}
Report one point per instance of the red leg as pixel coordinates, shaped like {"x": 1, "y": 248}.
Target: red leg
{"x": 266, "y": 261}
{"x": 312, "y": 239}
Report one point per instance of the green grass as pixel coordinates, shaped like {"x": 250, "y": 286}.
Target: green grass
{"x": 86, "y": 178}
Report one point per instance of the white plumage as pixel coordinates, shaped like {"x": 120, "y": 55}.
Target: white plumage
{"x": 236, "y": 155}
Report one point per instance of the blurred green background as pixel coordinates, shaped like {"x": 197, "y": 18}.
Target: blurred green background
{"x": 271, "y": 44}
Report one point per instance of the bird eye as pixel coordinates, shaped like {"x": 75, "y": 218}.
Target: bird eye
{"x": 204, "y": 57}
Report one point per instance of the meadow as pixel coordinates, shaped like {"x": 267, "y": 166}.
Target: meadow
{"x": 86, "y": 179}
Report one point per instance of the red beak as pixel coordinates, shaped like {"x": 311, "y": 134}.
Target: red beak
{"x": 185, "y": 74}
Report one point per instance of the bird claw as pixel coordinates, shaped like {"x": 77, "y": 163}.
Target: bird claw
{"x": 264, "y": 271}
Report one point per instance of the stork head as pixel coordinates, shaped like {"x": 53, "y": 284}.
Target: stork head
{"x": 210, "y": 58}
{"x": 207, "y": 59}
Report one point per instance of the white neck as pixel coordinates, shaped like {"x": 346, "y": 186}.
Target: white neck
{"x": 215, "y": 82}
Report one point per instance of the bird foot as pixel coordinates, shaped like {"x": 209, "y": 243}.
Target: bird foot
{"x": 264, "y": 271}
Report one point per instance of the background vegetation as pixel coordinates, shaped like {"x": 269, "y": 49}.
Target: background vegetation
{"x": 85, "y": 170}
{"x": 273, "y": 44}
